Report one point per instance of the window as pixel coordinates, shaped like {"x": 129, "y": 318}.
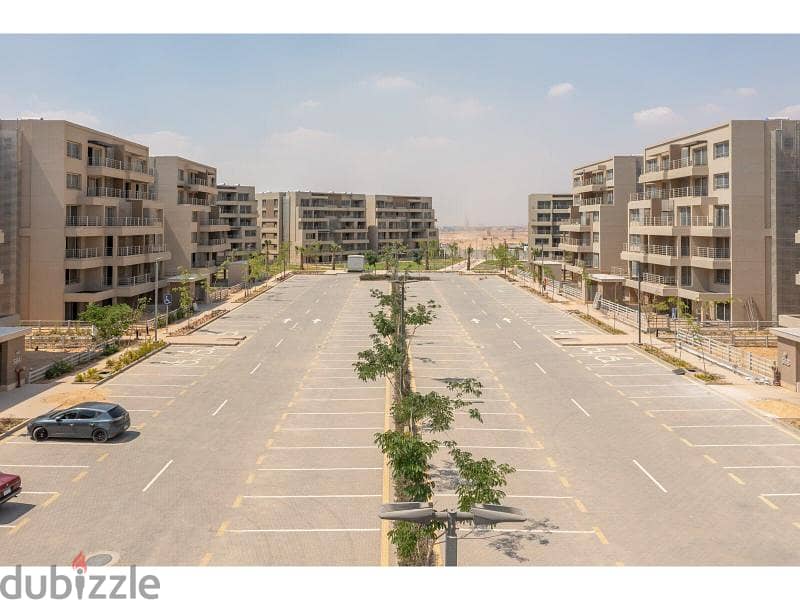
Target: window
{"x": 73, "y": 149}
{"x": 721, "y": 216}
{"x": 722, "y": 276}
{"x": 722, "y": 149}
{"x": 86, "y": 414}
{"x": 180, "y": 174}
{"x": 721, "y": 181}
{"x": 684, "y": 245}
{"x": 684, "y": 215}
{"x": 596, "y": 236}
{"x": 72, "y": 276}
{"x": 700, "y": 156}
{"x": 686, "y": 276}
{"x": 610, "y": 175}
{"x": 73, "y": 181}
{"x": 651, "y": 165}
{"x": 542, "y": 204}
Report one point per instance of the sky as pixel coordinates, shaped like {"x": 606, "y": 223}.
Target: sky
{"x": 476, "y": 121}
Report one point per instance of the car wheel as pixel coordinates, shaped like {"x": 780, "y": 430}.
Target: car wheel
{"x": 39, "y": 434}
{"x": 99, "y": 435}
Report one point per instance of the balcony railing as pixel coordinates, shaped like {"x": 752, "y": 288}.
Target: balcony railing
{"x": 135, "y": 280}
{"x": 709, "y": 222}
{"x": 593, "y": 201}
{"x": 89, "y": 221}
{"x": 107, "y": 192}
{"x": 82, "y": 253}
{"x": 656, "y": 194}
{"x": 680, "y": 163}
{"x": 653, "y": 221}
{"x": 194, "y": 201}
{"x": 688, "y": 191}
{"x": 650, "y": 249}
{"x": 137, "y": 250}
{"x": 712, "y": 252}
{"x": 197, "y": 181}
{"x": 658, "y": 279}
{"x": 112, "y": 163}
{"x": 590, "y": 181}
{"x": 213, "y": 222}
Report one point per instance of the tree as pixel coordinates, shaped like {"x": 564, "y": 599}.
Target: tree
{"x": 453, "y": 249}
{"x": 431, "y": 251}
{"x": 503, "y": 257}
{"x": 256, "y": 267}
{"x": 301, "y": 250}
{"x": 536, "y": 252}
{"x": 184, "y": 293}
{"x": 335, "y": 249}
{"x": 587, "y": 281}
{"x": 470, "y": 250}
{"x": 111, "y": 321}
{"x": 283, "y": 255}
{"x": 371, "y": 258}
{"x": 315, "y": 249}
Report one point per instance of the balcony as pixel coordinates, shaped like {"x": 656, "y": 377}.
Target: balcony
{"x": 594, "y": 201}
{"x": 654, "y": 194}
{"x": 109, "y": 167}
{"x": 201, "y": 184}
{"x": 711, "y": 258}
{"x": 109, "y": 193}
{"x": 89, "y": 292}
{"x": 85, "y": 258}
{"x": 589, "y": 185}
{"x": 687, "y": 167}
{"x": 574, "y": 225}
{"x": 652, "y": 283}
{"x": 212, "y": 225}
{"x": 653, "y": 173}
{"x": 93, "y": 226}
{"x": 575, "y": 245}
{"x": 710, "y": 227}
{"x": 138, "y": 284}
{"x": 133, "y": 255}
{"x": 653, "y": 226}
{"x": 195, "y": 201}
{"x": 651, "y": 253}
{"x": 213, "y": 246}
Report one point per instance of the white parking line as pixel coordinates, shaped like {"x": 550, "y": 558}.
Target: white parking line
{"x": 46, "y": 466}
{"x": 323, "y": 469}
{"x": 516, "y": 344}
{"x": 365, "y": 530}
{"x": 540, "y": 368}
{"x": 331, "y": 428}
{"x": 712, "y": 426}
{"x": 323, "y": 447}
{"x": 153, "y": 480}
{"x": 754, "y": 467}
{"x": 740, "y": 445}
{"x": 148, "y": 397}
{"x": 256, "y": 368}
{"x": 314, "y": 496}
{"x": 279, "y": 342}
{"x": 653, "y": 479}
{"x": 691, "y": 409}
{"x": 219, "y": 408}
{"x": 583, "y": 410}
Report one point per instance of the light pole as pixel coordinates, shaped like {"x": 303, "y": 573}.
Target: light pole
{"x": 156, "y": 304}
{"x": 423, "y": 513}
{"x": 639, "y": 301}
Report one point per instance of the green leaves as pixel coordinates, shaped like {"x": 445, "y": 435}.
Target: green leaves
{"x": 408, "y": 456}
{"x": 382, "y": 360}
{"x": 111, "y": 321}
{"x": 480, "y": 481}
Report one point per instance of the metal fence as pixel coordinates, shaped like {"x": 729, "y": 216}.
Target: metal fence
{"x": 726, "y": 355}
{"x": 59, "y": 334}
{"x": 72, "y": 360}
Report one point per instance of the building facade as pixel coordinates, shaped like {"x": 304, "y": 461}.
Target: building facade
{"x": 546, "y": 213}
{"x": 715, "y": 221}
{"x": 195, "y": 233}
{"x": 354, "y": 223}
{"x": 238, "y": 208}
{"x": 87, "y": 214}
{"x": 406, "y": 220}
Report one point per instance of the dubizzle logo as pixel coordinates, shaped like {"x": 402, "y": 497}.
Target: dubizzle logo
{"x": 58, "y": 586}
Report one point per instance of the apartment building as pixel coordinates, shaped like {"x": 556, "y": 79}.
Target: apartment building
{"x": 238, "y": 208}
{"x": 354, "y": 222}
{"x": 594, "y": 235}
{"x": 406, "y": 220}
{"x": 546, "y": 213}
{"x": 195, "y": 231}
{"x": 86, "y": 214}
{"x": 715, "y": 221}
{"x": 8, "y": 226}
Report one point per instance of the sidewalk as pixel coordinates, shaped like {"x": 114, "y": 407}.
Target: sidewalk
{"x": 733, "y": 386}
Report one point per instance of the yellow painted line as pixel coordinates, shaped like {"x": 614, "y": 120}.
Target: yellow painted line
{"x": 769, "y": 503}
{"x": 51, "y": 499}
{"x": 600, "y": 536}
{"x": 621, "y": 393}
{"x": 551, "y": 462}
{"x": 796, "y": 524}
{"x": 667, "y": 427}
{"x": 277, "y": 428}
{"x": 79, "y": 476}
{"x": 250, "y": 478}
{"x": 687, "y": 442}
{"x": 290, "y": 405}
{"x": 260, "y": 459}
{"x": 521, "y": 416}
{"x": 183, "y": 392}
{"x": 564, "y": 481}
{"x": 206, "y": 559}
{"x": 269, "y": 443}
{"x": 16, "y": 528}
{"x": 736, "y": 479}
{"x": 237, "y": 503}
{"x": 649, "y": 414}
{"x": 222, "y": 528}
{"x": 529, "y": 428}
{"x": 709, "y": 459}
{"x": 387, "y": 484}
{"x": 580, "y": 505}
{"x": 156, "y": 413}
{"x": 283, "y": 416}
{"x": 514, "y": 405}
{"x": 171, "y": 401}
{"x": 619, "y": 563}
{"x": 102, "y": 457}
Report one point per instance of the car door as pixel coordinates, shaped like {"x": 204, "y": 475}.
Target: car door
{"x": 84, "y": 423}
{"x": 64, "y": 424}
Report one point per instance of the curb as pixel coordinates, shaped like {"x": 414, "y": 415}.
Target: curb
{"x": 126, "y": 367}
{"x": 13, "y": 430}
{"x": 226, "y": 311}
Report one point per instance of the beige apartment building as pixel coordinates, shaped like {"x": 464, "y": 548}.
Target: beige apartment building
{"x": 593, "y": 237}
{"x": 354, "y": 222}
{"x": 715, "y": 221}
{"x": 238, "y": 208}
{"x": 86, "y": 214}
{"x": 546, "y": 214}
{"x": 195, "y": 233}
{"x": 406, "y": 220}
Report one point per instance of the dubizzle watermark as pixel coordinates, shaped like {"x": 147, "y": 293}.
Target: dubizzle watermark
{"x": 78, "y": 583}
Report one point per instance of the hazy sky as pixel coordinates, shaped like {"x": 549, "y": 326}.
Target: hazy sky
{"x": 478, "y": 122}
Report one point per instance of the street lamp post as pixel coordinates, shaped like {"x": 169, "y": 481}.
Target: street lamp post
{"x": 156, "y": 304}
{"x": 639, "y": 302}
{"x": 423, "y": 513}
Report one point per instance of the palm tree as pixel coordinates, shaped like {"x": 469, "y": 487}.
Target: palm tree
{"x": 470, "y": 250}
{"x": 335, "y": 249}
{"x": 453, "y": 247}
{"x": 301, "y": 250}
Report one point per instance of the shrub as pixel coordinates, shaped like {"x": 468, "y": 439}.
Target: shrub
{"x": 88, "y": 376}
{"x": 667, "y": 357}
{"x": 57, "y": 369}
{"x": 708, "y": 377}
{"x": 110, "y": 349}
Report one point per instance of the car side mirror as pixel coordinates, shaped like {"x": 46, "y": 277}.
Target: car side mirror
{"x": 59, "y": 419}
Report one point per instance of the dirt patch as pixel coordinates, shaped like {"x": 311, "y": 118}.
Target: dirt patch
{"x": 779, "y": 408}
{"x": 768, "y": 353}
{"x": 74, "y": 397}
{"x": 8, "y": 423}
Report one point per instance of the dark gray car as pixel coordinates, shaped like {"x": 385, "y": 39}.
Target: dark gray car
{"x": 98, "y": 421}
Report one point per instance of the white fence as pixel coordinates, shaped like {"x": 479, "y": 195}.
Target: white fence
{"x": 73, "y": 360}
{"x": 730, "y": 357}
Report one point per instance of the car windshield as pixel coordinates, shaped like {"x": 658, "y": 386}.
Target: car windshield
{"x": 116, "y": 412}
